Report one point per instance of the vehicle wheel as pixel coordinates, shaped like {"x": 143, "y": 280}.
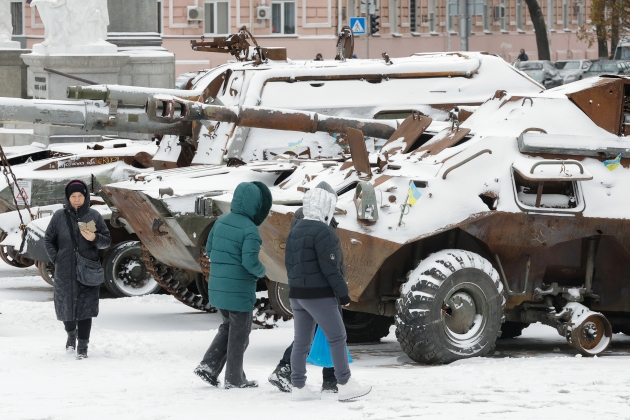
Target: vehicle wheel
{"x": 451, "y": 308}
{"x": 511, "y": 329}
{"x": 362, "y": 327}
{"x": 202, "y": 285}
{"x": 279, "y": 299}
{"x": 47, "y": 271}
{"x": 125, "y": 271}
{"x": 12, "y": 258}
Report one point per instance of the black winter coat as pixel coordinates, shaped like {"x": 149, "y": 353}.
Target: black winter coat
{"x": 73, "y": 300}
{"x": 314, "y": 262}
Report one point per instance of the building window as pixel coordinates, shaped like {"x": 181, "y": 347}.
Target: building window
{"x": 159, "y": 16}
{"x": 413, "y": 26}
{"x": 17, "y": 17}
{"x": 283, "y": 17}
{"x": 216, "y": 18}
{"x": 519, "y": 15}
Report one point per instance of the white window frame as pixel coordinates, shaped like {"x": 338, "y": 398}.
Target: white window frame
{"x": 295, "y": 17}
{"x": 229, "y": 17}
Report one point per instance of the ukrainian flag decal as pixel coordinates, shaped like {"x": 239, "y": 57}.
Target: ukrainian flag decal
{"x": 612, "y": 164}
{"x": 413, "y": 194}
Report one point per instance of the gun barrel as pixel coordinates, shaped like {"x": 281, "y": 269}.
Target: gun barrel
{"x": 125, "y": 95}
{"x": 35, "y": 111}
{"x": 85, "y": 115}
{"x": 168, "y": 109}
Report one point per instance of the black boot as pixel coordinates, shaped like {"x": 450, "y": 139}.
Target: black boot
{"x": 329, "y": 382}
{"x": 207, "y": 374}
{"x": 281, "y": 378}
{"x": 71, "y": 342}
{"x": 82, "y": 349}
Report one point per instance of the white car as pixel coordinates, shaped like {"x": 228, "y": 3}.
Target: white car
{"x": 572, "y": 70}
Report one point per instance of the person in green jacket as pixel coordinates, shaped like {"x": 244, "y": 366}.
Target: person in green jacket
{"x": 233, "y": 246}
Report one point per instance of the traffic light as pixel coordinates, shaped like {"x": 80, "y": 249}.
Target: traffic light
{"x": 374, "y": 24}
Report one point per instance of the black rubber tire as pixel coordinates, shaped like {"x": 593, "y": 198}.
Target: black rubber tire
{"x": 122, "y": 253}
{"x": 47, "y": 271}
{"x": 279, "y": 299}
{"x": 202, "y": 285}
{"x": 422, "y": 324}
{"x": 362, "y": 327}
{"x": 511, "y": 329}
{"x": 12, "y": 258}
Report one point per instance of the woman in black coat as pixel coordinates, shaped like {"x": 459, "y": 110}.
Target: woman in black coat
{"x": 75, "y": 303}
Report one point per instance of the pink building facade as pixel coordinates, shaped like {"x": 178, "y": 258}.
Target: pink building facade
{"x": 308, "y": 27}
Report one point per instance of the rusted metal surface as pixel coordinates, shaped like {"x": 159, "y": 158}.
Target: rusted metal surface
{"x": 409, "y": 131}
{"x": 556, "y": 248}
{"x": 358, "y": 150}
{"x": 168, "y": 109}
{"x": 167, "y": 246}
{"x": 451, "y": 137}
{"x": 603, "y": 103}
{"x": 364, "y": 255}
{"x": 345, "y": 44}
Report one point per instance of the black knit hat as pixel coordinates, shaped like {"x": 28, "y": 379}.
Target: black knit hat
{"x": 76, "y": 186}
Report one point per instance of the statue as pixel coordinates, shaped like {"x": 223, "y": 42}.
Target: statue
{"x": 6, "y": 26}
{"x": 74, "y": 27}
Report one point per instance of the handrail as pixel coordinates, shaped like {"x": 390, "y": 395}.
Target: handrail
{"x": 527, "y": 130}
{"x": 465, "y": 161}
{"x": 556, "y": 162}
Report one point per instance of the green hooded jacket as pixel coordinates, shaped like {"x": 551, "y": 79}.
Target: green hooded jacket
{"x": 233, "y": 246}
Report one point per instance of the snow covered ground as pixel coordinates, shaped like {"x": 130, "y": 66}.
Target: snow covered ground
{"x": 143, "y": 350}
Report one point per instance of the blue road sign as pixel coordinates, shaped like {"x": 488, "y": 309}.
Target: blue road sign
{"x": 358, "y": 25}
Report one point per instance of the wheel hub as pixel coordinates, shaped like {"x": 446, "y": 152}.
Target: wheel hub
{"x": 133, "y": 273}
{"x": 459, "y": 312}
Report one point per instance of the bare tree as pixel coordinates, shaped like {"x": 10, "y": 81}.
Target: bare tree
{"x": 610, "y": 19}
{"x": 542, "y": 41}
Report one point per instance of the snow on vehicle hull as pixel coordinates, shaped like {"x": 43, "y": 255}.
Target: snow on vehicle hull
{"x": 537, "y": 230}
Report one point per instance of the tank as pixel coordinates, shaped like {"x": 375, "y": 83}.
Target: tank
{"x": 389, "y": 89}
{"x": 459, "y": 232}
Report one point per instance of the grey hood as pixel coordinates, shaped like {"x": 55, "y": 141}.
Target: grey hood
{"x": 319, "y": 203}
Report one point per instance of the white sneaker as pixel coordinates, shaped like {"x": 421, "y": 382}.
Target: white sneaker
{"x": 304, "y": 394}
{"x": 351, "y": 390}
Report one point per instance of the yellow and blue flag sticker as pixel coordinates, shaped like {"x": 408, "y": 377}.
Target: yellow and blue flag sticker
{"x": 295, "y": 145}
{"x": 612, "y": 164}
{"x": 413, "y": 194}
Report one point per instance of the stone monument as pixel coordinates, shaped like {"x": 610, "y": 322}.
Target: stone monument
{"x": 12, "y": 68}
{"x": 6, "y": 27}
{"x": 74, "y": 27}
{"x": 75, "y": 33}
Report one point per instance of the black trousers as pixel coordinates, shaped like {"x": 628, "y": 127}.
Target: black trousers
{"x": 84, "y": 325}
{"x": 229, "y": 345}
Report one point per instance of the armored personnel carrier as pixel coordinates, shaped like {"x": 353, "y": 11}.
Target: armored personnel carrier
{"x": 459, "y": 230}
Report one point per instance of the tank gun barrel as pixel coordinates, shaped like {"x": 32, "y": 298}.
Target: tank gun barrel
{"x": 126, "y": 95}
{"x": 85, "y": 115}
{"x": 170, "y": 109}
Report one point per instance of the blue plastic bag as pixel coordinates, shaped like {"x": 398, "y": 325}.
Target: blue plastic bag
{"x": 320, "y": 351}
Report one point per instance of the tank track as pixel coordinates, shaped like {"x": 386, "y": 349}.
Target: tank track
{"x": 164, "y": 277}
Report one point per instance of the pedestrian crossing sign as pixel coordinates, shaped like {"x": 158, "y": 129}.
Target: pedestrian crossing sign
{"x": 358, "y": 25}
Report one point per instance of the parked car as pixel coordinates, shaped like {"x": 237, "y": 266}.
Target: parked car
{"x": 572, "y": 70}
{"x": 607, "y": 67}
{"x": 541, "y": 71}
